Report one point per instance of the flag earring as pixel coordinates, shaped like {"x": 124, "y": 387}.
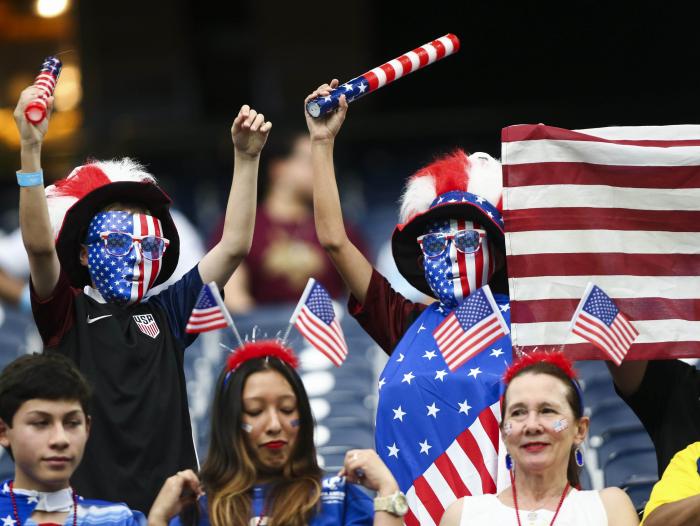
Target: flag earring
{"x": 578, "y": 456}
{"x": 509, "y": 462}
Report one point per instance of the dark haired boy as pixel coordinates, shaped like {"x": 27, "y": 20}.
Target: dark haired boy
{"x": 44, "y": 425}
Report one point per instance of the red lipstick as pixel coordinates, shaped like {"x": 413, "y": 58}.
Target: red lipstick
{"x": 275, "y": 444}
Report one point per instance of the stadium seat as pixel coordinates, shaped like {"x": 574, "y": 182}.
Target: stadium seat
{"x": 610, "y": 414}
{"x": 621, "y": 438}
{"x": 630, "y": 465}
{"x": 639, "y": 491}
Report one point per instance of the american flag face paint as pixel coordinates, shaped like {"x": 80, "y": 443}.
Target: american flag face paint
{"x": 454, "y": 275}
{"x": 560, "y": 425}
{"x": 507, "y": 428}
{"x": 122, "y": 279}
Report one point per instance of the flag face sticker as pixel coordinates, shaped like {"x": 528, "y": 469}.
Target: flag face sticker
{"x": 315, "y": 319}
{"x": 470, "y": 328}
{"x": 147, "y": 325}
{"x": 208, "y": 313}
{"x": 619, "y": 207}
{"x": 600, "y": 322}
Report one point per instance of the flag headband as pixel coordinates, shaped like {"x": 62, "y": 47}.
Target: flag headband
{"x": 557, "y": 359}
{"x": 262, "y": 349}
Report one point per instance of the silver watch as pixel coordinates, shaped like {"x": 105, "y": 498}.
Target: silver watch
{"x": 395, "y": 504}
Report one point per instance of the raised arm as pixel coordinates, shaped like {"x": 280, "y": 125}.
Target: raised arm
{"x": 34, "y": 221}
{"x": 249, "y": 133}
{"x": 352, "y": 265}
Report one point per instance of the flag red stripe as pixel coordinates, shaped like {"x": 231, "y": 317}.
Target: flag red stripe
{"x": 319, "y": 337}
{"x": 196, "y": 317}
{"x": 198, "y": 327}
{"x": 619, "y": 343}
{"x": 599, "y": 342}
{"x": 602, "y": 264}
{"x": 457, "y": 363}
{"x": 623, "y": 333}
{"x": 462, "y": 265}
{"x": 439, "y": 48}
{"x": 603, "y": 330}
{"x": 428, "y": 498}
{"x": 155, "y": 265}
{"x": 410, "y": 519}
{"x": 455, "y": 42}
{"x": 546, "y": 310}
{"x": 326, "y": 332}
{"x": 471, "y": 337}
{"x": 490, "y": 425}
{"x": 406, "y": 63}
{"x": 593, "y": 335}
{"x": 451, "y": 475}
{"x": 586, "y": 218}
{"x": 539, "y": 132}
{"x": 642, "y": 351}
{"x": 471, "y": 448}
{"x": 609, "y": 175}
{"x": 144, "y": 228}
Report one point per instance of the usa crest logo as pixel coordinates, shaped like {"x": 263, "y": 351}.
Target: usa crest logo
{"x": 147, "y": 325}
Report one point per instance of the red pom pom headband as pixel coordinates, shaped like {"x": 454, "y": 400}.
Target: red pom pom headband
{"x": 557, "y": 359}
{"x": 261, "y": 349}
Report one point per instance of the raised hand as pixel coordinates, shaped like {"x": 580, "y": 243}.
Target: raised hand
{"x": 249, "y": 131}
{"x": 31, "y": 133}
{"x": 325, "y": 128}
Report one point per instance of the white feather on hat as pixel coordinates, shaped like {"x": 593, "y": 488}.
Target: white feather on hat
{"x": 83, "y": 179}
{"x": 479, "y": 174}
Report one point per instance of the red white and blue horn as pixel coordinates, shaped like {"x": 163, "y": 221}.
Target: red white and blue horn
{"x": 46, "y": 80}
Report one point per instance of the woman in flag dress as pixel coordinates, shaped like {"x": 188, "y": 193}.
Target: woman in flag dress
{"x": 437, "y": 426}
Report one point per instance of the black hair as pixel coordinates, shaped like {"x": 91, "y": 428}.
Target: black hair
{"x": 47, "y": 376}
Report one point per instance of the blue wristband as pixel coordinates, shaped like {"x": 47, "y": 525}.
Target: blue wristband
{"x": 31, "y": 178}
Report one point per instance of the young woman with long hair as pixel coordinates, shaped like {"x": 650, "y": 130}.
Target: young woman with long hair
{"x": 261, "y": 468}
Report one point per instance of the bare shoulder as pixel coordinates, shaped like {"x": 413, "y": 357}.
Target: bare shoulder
{"x": 453, "y": 514}
{"x": 618, "y": 507}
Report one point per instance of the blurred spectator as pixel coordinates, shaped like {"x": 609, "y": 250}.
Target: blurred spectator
{"x": 675, "y": 499}
{"x": 285, "y": 251}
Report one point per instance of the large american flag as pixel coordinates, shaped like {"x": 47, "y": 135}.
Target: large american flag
{"x": 616, "y": 206}
{"x": 437, "y": 430}
{"x": 474, "y": 325}
{"x": 315, "y": 318}
{"x": 599, "y": 321}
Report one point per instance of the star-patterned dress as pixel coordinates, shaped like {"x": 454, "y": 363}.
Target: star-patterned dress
{"x": 437, "y": 430}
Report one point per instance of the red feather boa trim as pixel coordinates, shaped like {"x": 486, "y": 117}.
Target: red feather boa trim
{"x": 261, "y": 349}
{"x": 555, "y": 358}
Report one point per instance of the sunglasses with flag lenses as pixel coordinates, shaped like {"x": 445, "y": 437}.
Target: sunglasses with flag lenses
{"x": 119, "y": 244}
{"x": 466, "y": 241}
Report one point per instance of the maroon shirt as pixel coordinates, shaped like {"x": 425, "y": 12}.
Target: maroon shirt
{"x": 386, "y": 315}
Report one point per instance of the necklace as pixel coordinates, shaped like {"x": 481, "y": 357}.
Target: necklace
{"x": 16, "y": 513}
{"x": 515, "y": 500}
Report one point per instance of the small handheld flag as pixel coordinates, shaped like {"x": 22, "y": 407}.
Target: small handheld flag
{"x": 314, "y": 316}
{"x": 46, "y": 80}
{"x": 474, "y": 325}
{"x": 598, "y": 320}
{"x": 210, "y": 313}
{"x": 385, "y": 74}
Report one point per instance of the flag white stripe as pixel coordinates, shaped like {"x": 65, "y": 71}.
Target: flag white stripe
{"x": 415, "y": 60}
{"x": 616, "y": 286}
{"x": 466, "y": 470}
{"x": 316, "y": 337}
{"x": 602, "y": 241}
{"x": 204, "y": 326}
{"x": 196, "y": 317}
{"x": 592, "y": 324}
{"x": 381, "y": 76}
{"x": 439, "y": 485}
{"x": 449, "y": 47}
{"x": 446, "y": 326}
{"x": 599, "y": 196}
{"x": 467, "y": 351}
{"x": 595, "y": 337}
{"x": 398, "y": 68}
{"x": 205, "y": 312}
{"x": 418, "y": 509}
{"x": 323, "y": 331}
{"x": 650, "y": 331}
{"x": 646, "y": 133}
{"x": 548, "y": 151}
{"x": 623, "y": 337}
{"x": 470, "y": 337}
{"x": 584, "y": 330}
{"x": 335, "y": 326}
{"x": 486, "y": 447}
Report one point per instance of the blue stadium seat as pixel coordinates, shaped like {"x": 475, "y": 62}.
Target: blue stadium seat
{"x": 630, "y": 465}
{"x": 597, "y": 389}
{"x": 585, "y": 479}
{"x": 620, "y": 439}
{"x": 639, "y": 491}
{"x": 610, "y": 414}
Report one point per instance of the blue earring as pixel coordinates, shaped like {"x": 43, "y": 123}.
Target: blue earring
{"x": 509, "y": 462}
{"x": 578, "y": 456}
